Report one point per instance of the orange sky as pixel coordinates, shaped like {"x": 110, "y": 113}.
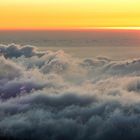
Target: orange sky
{"x": 67, "y": 14}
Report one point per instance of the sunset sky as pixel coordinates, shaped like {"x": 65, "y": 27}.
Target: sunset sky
{"x": 67, "y": 14}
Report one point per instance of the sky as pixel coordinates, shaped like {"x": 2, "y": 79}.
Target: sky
{"x": 67, "y": 14}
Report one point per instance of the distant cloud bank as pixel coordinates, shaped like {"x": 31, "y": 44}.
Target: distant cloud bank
{"x": 54, "y": 96}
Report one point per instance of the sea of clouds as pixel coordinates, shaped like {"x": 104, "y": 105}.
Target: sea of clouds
{"x": 54, "y": 96}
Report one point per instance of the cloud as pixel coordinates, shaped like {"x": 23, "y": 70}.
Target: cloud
{"x": 56, "y": 96}
{"x": 13, "y": 50}
{"x": 9, "y": 69}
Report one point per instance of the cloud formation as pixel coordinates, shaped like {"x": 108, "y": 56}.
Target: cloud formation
{"x": 55, "y": 96}
{"x": 13, "y": 50}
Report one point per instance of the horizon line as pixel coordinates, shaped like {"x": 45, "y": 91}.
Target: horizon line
{"x": 71, "y": 28}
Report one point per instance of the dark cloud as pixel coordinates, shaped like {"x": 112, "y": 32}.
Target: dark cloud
{"x": 79, "y": 118}
{"x": 13, "y": 50}
{"x": 18, "y": 87}
{"x": 54, "y": 96}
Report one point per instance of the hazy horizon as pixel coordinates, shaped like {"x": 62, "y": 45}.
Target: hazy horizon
{"x": 88, "y": 37}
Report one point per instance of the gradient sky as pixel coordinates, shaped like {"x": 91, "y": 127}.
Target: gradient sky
{"x": 61, "y": 14}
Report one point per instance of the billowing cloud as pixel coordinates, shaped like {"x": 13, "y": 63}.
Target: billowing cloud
{"x": 13, "y": 50}
{"x": 9, "y": 69}
{"x": 55, "y": 96}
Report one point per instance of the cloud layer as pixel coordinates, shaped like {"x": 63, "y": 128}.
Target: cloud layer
{"x": 54, "y": 96}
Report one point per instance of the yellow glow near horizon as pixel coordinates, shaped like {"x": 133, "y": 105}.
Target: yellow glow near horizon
{"x": 67, "y": 14}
